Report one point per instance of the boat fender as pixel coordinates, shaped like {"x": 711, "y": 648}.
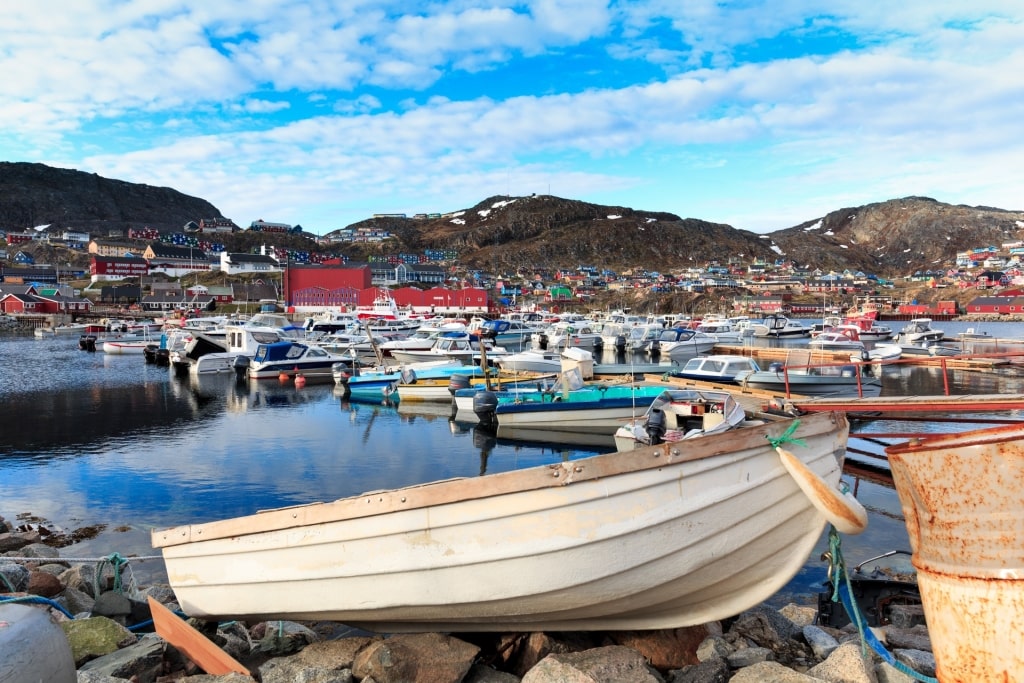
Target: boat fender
{"x": 841, "y": 509}
{"x": 655, "y": 426}
{"x": 485, "y": 405}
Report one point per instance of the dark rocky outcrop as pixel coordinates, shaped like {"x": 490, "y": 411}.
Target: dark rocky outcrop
{"x": 66, "y": 199}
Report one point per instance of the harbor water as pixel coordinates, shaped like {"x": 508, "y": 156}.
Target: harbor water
{"x": 89, "y": 440}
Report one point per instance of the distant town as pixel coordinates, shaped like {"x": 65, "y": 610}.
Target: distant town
{"x": 153, "y": 270}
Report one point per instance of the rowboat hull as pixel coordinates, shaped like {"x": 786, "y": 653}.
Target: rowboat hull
{"x": 960, "y": 496}
{"x": 658, "y": 537}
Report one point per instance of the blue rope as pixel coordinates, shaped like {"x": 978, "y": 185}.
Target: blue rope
{"x": 843, "y": 590}
{"x": 35, "y": 599}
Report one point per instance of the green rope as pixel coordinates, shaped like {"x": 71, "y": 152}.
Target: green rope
{"x": 786, "y": 436}
{"x": 842, "y": 590}
{"x": 117, "y": 564}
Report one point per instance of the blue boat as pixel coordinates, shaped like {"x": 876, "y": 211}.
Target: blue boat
{"x": 594, "y": 408}
{"x": 376, "y": 384}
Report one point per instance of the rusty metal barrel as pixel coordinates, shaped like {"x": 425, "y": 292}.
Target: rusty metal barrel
{"x": 961, "y": 498}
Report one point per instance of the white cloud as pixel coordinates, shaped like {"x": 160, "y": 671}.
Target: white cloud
{"x": 325, "y": 109}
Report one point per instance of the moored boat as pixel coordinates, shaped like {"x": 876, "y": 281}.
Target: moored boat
{"x": 289, "y": 359}
{"x": 592, "y": 408}
{"x": 716, "y": 368}
{"x": 647, "y": 539}
{"x": 679, "y": 414}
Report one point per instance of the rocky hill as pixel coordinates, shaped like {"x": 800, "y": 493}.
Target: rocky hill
{"x": 898, "y": 236}
{"x": 502, "y": 233}
{"x": 36, "y": 194}
{"x": 888, "y": 238}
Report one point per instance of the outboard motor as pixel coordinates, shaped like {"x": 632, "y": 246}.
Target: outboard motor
{"x": 241, "y": 366}
{"x": 543, "y": 341}
{"x": 458, "y": 381}
{"x": 655, "y": 426}
{"x": 485, "y": 405}
{"x": 408, "y": 376}
{"x": 776, "y": 367}
{"x": 87, "y": 342}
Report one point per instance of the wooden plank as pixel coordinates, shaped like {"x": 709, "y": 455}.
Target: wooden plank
{"x": 194, "y": 644}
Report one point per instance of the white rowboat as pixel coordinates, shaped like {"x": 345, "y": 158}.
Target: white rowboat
{"x": 659, "y": 537}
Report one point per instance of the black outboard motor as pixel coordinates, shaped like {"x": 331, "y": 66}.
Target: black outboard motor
{"x": 241, "y": 366}
{"x": 458, "y": 381}
{"x": 87, "y": 342}
{"x": 655, "y": 425}
{"x": 542, "y": 341}
{"x": 163, "y": 357}
{"x": 485, "y": 405}
{"x": 776, "y": 367}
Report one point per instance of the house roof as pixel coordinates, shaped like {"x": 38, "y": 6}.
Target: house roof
{"x": 118, "y": 259}
{"x": 161, "y": 250}
{"x": 250, "y": 258}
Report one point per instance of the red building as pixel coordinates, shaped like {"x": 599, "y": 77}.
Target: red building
{"x": 324, "y": 285}
{"x": 117, "y": 267}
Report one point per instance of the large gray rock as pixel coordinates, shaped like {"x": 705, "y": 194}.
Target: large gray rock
{"x": 421, "y": 657}
{"x": 95, "y": 637}
{"x": 822, "y": 644}
{"x": 612, "y": 663}
{"x": 770, "y": 672}
{"x": 481, "y": 673}
{"x": 13, "y": 577}
{"x": 921, "y": 661}
{"x": 845, "y": 665}
{"x": 749, "y": 655}
{"x": 714, "y": 670}
{"x": 16, "y": 540}
{"x": 713, "y": 647}
{"x": 143, "y": 660}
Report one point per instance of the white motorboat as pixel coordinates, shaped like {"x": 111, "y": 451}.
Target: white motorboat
{"x": 717, "y": 368}
{"x": 682, "y": 345}
{"x": 454, "y": 345}
{"x": 678, "y": 414}
{"x": 207, "y": 354}
{"x": 422, "y": 339}
{"x": 780, "y": 326}
{"x": 919, "y": 331}
{"x": 290, "y": 360}
{"x": 836, "y": 341}
{"x": 531, "y": 361}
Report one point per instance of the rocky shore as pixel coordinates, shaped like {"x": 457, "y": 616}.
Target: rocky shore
{"x": 105, "y": 620}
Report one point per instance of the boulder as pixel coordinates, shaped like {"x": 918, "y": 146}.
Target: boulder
{"x": 421, "y": 657}
{"x": 95, "y": 637}
{"x": 666, "y": 648}
{"x": 611, "y": 663}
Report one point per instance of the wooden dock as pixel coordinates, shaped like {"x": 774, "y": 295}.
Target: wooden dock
{"x": 969, "y": 403}
{"x": 758, "y": 399}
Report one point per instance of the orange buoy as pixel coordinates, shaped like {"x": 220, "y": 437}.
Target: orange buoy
{"x": 283, "y": 377}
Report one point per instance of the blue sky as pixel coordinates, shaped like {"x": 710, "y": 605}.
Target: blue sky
{"x": 761, "y": 115}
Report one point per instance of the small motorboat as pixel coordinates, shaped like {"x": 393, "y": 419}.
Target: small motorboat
{"x": 716, "y": 368}
{"x": 678, "y": 414}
